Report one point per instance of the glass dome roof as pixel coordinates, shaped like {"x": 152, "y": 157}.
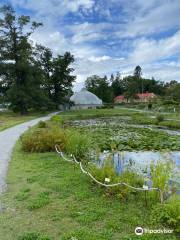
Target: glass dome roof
{"x": 85, "y": 97}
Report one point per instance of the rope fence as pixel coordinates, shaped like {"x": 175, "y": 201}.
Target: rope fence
{"x": 74, "y": 160}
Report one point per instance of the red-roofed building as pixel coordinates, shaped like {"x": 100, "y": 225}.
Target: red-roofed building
{"x": 145, "y": 97}
{"x": 140, "y": 97}
{"x": 119, "y": 99}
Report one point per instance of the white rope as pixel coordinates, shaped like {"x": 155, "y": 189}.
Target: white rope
{"x": 98, "y": 182}
{"x": 61, "y": 154}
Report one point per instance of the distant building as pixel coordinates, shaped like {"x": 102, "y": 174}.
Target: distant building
{"x": 145, "y": 97}
{"x": 139, "y": 97}
{"x": 120, "y": 99}
{"x": 85, "y": 100}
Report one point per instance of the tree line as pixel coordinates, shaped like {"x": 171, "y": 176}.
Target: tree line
{"x": 30, "y": 76}
{"x": 108, "y": 88}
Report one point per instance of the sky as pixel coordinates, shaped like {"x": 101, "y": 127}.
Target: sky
{"x": 109, "y": 36}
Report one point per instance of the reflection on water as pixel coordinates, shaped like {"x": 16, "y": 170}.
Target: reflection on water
{"x": 139, "y": 162}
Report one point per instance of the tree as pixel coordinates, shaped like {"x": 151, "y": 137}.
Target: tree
{"x": 172, "y": 91}
{"x": 44, "y": 60}
{"x": 117, "y": 85}
{"x": 61, "y": 79}
{"x": 137, "y": 72}
{"x": 16, "y": 59}
{"x": 100, "y": 87}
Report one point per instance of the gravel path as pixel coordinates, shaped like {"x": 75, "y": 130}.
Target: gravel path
{"x": 8, "y": 138}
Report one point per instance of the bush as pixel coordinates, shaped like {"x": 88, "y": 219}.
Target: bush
{"x": 77, "y": 144}
{"x": 43, "y": 140}
{"x": 57, "y": 119}
{"x": 160, "y": 174}
{"x": 159, "y": 118}
{"x": 42, "y": 124}
{"x": 108, "y": 171}
{"x": 168, "y": 213}
{"x": 170, "y": 102}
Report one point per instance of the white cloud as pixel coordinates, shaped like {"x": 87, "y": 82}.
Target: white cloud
{"x": 99, "y": 59}
{"x": 131, "y": 31}
{"x": 149, "y": 50}
{"x": 150, "y": 17}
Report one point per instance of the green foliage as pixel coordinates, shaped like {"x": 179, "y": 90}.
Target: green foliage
{"x": 31, "y": 77}
{"x": 125, "y": 137}
{"x": 100, "y": 86}
{"x": 159, "y": 118}
{"x": 20, "y": 78}
{"x": 43, "y": 140}
{"x": 34, "y": 236}
{"x": 107, "y": 171}
{"x": 77, "y": 144}
{"x": 58, "y": 119}
{"x": 160, "y": 174}
{"x": 172, "y": 91}
{"x": 168, "y": 213}
{"x": 61, "y": 79}
{"x": 42, "y": 124}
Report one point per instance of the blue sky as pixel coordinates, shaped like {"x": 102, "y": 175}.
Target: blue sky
{"x": 107, "y": 36}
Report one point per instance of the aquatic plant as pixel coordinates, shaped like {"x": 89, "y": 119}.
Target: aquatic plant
{"x": 106, "y": 173}
{"x": 160, "y": 175}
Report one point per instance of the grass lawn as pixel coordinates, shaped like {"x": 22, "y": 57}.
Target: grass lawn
{"x": 9, "y": 119}
{"x": 53, "y": 198}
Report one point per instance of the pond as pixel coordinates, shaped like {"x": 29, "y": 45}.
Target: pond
{"x": 139, "y": 162}
{"x": 117, "y": 133}
{"x": 132, "y": 147}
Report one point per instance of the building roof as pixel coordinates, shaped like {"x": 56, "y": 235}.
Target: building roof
{"x": 120, "y": 97}
{"x": 85, "y": 97}
{"x": 139, "y": 95}
{"x": 145, "y": 95}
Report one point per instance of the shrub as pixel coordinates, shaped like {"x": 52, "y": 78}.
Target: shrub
{"x": 159, "y": 118}
{"x": 43, "y": 140}
{"x": 77, "y": 144}
{"x": 42, "y": 124}
{"x": 149, "y": 106}
{"x": 168, "y": 213}
{"x": 108, "y": 171}
{"x": 57, "y": 119}
{"x": 160, "y": 174}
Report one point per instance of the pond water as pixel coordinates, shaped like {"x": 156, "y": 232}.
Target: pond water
{"x": 122, "y": 121}
{"x": 139, "y": 162}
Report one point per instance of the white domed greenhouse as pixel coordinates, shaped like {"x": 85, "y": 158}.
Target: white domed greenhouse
{"x": 85, "y": 100}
